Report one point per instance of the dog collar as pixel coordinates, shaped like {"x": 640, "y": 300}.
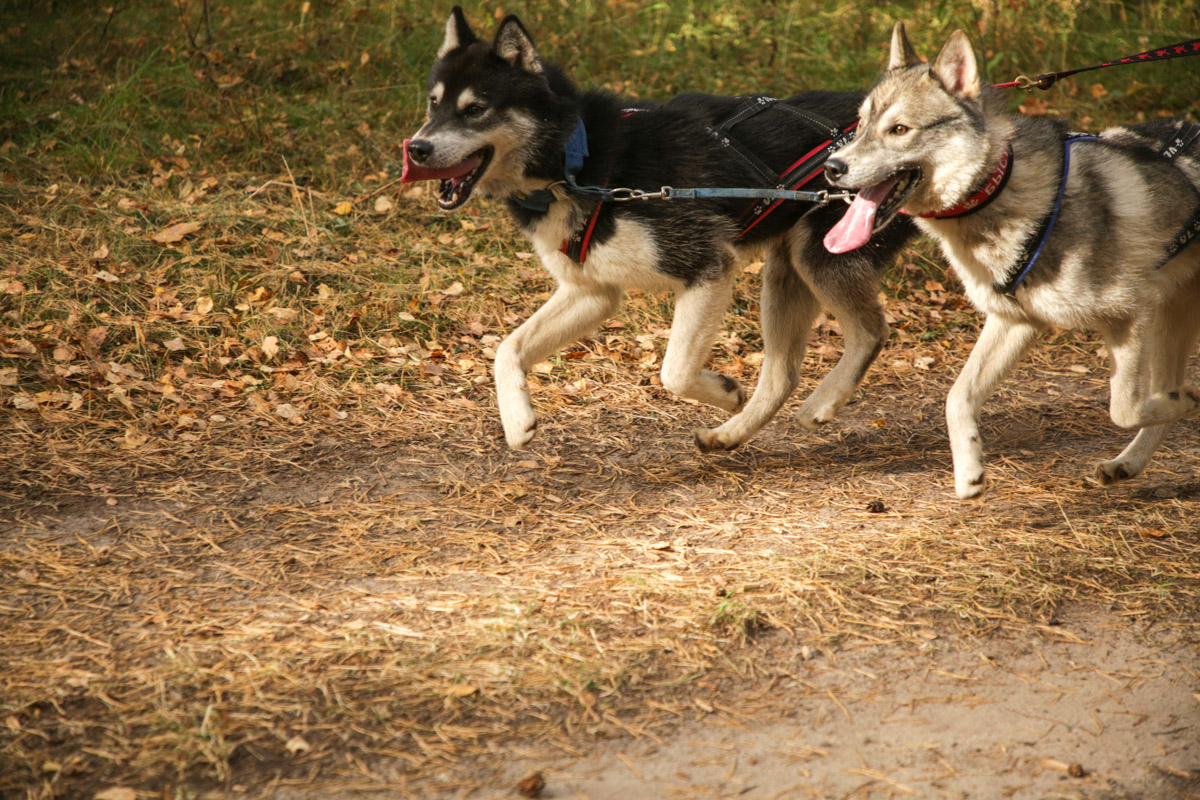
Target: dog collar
{"x": 985, "y": 194}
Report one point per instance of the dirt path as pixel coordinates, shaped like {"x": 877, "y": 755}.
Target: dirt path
{"x": 1094, "y": 709}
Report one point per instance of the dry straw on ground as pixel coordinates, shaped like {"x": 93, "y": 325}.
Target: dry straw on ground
{"x": 261, "y": 530}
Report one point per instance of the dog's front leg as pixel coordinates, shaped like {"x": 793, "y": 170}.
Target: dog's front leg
{"x": 573, "y": 311}
{"x": 788, "y": 309}
{"x": 1000, "y": 346}
{"x": 699, "y": 310}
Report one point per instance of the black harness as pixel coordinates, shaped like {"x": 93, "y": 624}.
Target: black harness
{"x": 793, "y": 177}
{"x": 773, "y": 188}
{"x": 1035, "y": 242}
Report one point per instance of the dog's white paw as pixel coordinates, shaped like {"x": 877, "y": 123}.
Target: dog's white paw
{"x": 1110, "y": 472}
{"x": 520, "y": 422}
{"x": 735, "y": 395}
{"x": 710, "y": 440}
{"x": 969, "y": 486}
{"x": 812, "y": 417}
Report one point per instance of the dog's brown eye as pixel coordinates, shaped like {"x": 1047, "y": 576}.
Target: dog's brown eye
{"x": 899, "y": 130}
{"x": 475, "y": 110}
{"x": 432, "y": 103}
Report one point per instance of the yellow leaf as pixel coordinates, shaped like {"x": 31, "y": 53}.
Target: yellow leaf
{"x": 204, "y": 305}
{"x": 116, "y": 793}
{"x": 176, "y": 232}
{"x": 461, "y": 690}
{"x": 343, "y": 208}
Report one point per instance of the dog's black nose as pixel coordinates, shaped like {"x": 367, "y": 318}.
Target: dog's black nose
{"x": 420, "y": 150}
{"x": 835, "y": 169}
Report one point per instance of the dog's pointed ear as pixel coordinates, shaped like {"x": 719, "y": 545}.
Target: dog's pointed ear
{"x": 458, "y": 32}
{"x": 956, "y": 67}
{"x": 903, "y": 54}
{"x": 515, "y": 46}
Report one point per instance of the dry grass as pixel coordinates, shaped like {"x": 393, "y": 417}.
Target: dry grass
{"x": 367, "y": 589}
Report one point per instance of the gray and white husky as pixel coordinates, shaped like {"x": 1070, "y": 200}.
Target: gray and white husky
{"x": 503, "y": 122}
{"x": 1044, "y": 229}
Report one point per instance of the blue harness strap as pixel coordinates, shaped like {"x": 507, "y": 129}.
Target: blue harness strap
{"x": 1037, "y": 241}
{"x": 1187, "y": 133}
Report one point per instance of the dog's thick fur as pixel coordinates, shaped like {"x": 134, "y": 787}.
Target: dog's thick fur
{"x": 940, "y": 132}
{"x": 499, "y": 106}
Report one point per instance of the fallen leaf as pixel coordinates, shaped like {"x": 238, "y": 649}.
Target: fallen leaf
{"x": 343, "y": 208}
{"x": 174, "y": 345}
{"x": 270, "y": 346}
{"x": 288, "y": 411}
{"x": 176, "y": 232}
{"x": 297, "y": 744}
{"x": 461, "y": 690}
{"x": 100, "y": 254}
{"x": 106, "y": 276}
{"x": 532, "y": 786}
{"x": 116, "y": 793}
{"x": 204, "y": 305}
{"x": 24, "y": 402}
{"x": 383, "y": 205}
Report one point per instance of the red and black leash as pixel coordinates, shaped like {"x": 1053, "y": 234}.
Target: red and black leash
{"x": 1047, "y": 79}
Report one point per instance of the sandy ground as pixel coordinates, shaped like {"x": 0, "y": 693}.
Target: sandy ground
{"x": 1093, "y": 708}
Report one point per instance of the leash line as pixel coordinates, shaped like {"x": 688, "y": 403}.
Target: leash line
{"x": 1191, "y": 47}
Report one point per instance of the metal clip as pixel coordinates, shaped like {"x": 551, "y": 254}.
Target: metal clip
{"x": 624, "y": 194}
{"x": 826, "y": 196}
{"x": 1042, "y": 82}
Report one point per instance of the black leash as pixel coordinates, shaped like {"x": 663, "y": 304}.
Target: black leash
{"x": 1047, "y": 79}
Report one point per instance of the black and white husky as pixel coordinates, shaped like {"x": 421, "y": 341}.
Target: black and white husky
{"x": 1045, "y": 229}
{"x": 504, "y": 123}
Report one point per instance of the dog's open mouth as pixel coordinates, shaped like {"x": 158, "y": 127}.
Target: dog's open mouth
{"x": 457, "y": 181}
{"x": 873, "y": 208}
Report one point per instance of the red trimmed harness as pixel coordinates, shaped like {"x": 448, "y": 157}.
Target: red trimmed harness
{"x": 575, "y": 246}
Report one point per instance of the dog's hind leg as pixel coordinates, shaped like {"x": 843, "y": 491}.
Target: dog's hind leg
{"x": 788, "y": 309}
{"x": 1169, "y": 368}
{"x": 1000, "y": 346}
{"x": 699, "y": 310}
{"x": 571, "y": 312}
{"x": 1137, "y": 350}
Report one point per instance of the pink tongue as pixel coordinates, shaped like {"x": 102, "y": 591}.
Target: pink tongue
{"x": 415, "y": 172}
{"x": 854, "y": 228}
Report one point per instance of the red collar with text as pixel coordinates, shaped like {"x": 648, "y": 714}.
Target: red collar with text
{"x": 985, "y": 194}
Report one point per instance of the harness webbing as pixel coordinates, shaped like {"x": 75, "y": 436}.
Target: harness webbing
{"x": 1187, "y": 133}
{"x": 792, "y": 178}
{"x": 781, "y": 187}
{"x": 1037, "y": 240}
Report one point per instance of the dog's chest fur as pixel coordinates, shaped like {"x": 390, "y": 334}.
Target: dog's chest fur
{"x": 629, "y": 257}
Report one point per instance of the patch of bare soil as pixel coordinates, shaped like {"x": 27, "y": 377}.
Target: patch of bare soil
{"x": 1095, "y": 708}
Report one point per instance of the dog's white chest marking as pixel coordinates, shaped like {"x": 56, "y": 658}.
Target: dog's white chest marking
{"x": 628, "y": 258}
